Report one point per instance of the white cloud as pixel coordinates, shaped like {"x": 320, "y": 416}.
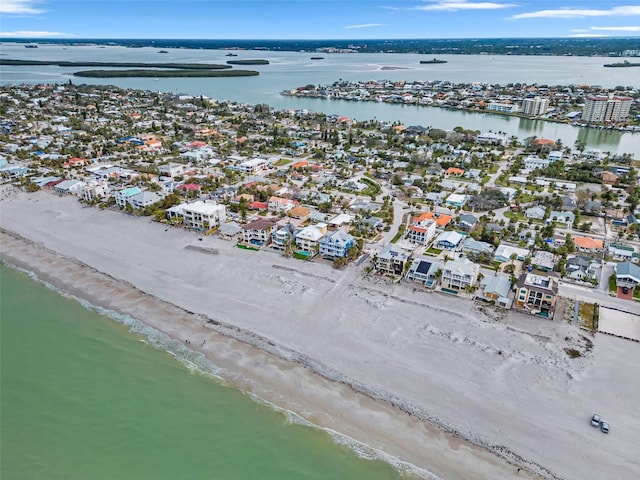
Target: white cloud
{"x": 587, "y": 35}
{"x": 364, "y": 25}
{"x": 456, "y": 5}
{"x": 580, "y": 13}
{"x": 20, "y": 7}
{"x": 617, "y": 29}
{"x": 34, "y": 34}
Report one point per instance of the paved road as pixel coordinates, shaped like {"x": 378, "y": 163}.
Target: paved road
{"x": 594, "y": 295}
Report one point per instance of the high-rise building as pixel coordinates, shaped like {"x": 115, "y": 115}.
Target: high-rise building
{"x": 535, "y": 106}
{"x": 600, "y": 108}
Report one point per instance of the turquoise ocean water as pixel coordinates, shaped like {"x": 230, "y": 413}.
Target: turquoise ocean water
{"x": 83, "y": 397}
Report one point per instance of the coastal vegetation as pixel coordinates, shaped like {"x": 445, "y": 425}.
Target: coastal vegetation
{"x": 182, "y": 66}
{"x": 164, "y": 73}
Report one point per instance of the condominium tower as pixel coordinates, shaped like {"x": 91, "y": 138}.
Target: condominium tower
{"x": 535, "y": 106}
{"x": 600, "y": 108}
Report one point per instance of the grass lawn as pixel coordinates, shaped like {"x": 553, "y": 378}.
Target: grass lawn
{"x": 282, "y": 162}
{"x": 399, "y": 235}
{"x": 434, "y": 251}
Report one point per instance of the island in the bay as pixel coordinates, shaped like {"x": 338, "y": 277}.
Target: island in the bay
{"x": 433, "y": 60}
{"x": 148, "y": 69}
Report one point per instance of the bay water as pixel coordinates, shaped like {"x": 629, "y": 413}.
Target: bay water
{"x": 288, "y": 70}
{"x": 84, "y": 397}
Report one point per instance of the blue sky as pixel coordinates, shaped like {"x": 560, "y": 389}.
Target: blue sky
{"x": 317, "y": 19}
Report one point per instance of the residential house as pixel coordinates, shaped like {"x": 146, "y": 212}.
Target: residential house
{"x": 122, "y": 196}
{"x": 441, "y": 219}
{"x": 495, "y": 289}
{"x": 505, "y": 251}
{"x": 536, "y": 294}
{"x": 583, "y": 269}
{"x": 300, "y": 213}
{"x": 459, "y": 274}
{"x": 449, "y": 240}
{"x": 588, "y": 244}
{"x": 281, "y": 205}
{"x": 230, "y": 231}
{"x": 391, "y": 260}
{"x": 424, "y": 270}
{"x": 69, "y": 187}
{"x": 622, "y": 252}
{"x": 627, "y": 278}
{"x": 144, "y": 199}
{"x": 282, "y": 237}
{"x": 533, "y": 162}
{"x": 456, "y": 200}
{"x": 258, "y": 232}
{"x": 536, "y": 213}
{"x": 457, "y": 172}
{"x": 470, "y": 245}
{"x": 254, "y": 165}
{"x": 308, "y": 239}
{"x": 608, "y": 178}
{"x": 95, "y": 190}
{"x": 336, "y": 244}
{"x": 544, "y": 261}
{"x": 565, "y": 218}
{"x": 341, "y": 220}
{"x": 203, "y": 215}
{"x": 467, "y": 221}
{"x": 422, "y": 230}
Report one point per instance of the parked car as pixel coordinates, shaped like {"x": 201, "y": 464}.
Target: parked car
{"x": 595, "y": 420}
{"x": 604, "y": 426}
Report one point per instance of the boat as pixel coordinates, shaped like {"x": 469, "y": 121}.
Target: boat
{"x": 31, "y": 46}
{"x": 317, "y": 58}
{"x": 626, "y": 63}
{"x": 434, "y": 60}
{"x": 231, "y": 55}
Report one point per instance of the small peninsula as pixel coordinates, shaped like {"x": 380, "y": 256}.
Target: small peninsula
{"x": 183, "y": 66}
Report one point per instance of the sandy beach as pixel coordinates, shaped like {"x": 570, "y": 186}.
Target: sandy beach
{"x": 434, "y": 381}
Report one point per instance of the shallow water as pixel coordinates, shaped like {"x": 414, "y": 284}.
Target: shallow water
{"x": 84, "y": 397}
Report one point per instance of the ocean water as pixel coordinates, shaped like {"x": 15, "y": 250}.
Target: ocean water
{"x": 83, "y": 397}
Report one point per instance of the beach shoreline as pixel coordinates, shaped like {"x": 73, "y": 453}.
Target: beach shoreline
{"x": 258, "y": 357}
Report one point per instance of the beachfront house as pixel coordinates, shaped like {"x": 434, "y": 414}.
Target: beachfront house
{"x": 122, "y": 196}
{"x": 307, "y": 240}
{"x": 391, "y": 260}
{"x": 336, "y": 244}
{"x": 203, "y": 214}
{"x": 459, "y": 274}
{"x": 144, "y": 199}
{"x": 258, "y": 232}
{"x": 69, "y": 187}
{"x": 424, "y": 270}
{"x": 536, "y": 294}
{"x": 282, "y": 237}
{"x": 495, "y": 289}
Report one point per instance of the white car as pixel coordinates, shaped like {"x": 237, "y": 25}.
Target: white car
{"x": 595, "y": 420}
{"x": 604, "y": 426}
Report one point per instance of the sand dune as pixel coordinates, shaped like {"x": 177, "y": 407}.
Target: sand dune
{"x": 430, "y": 379}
